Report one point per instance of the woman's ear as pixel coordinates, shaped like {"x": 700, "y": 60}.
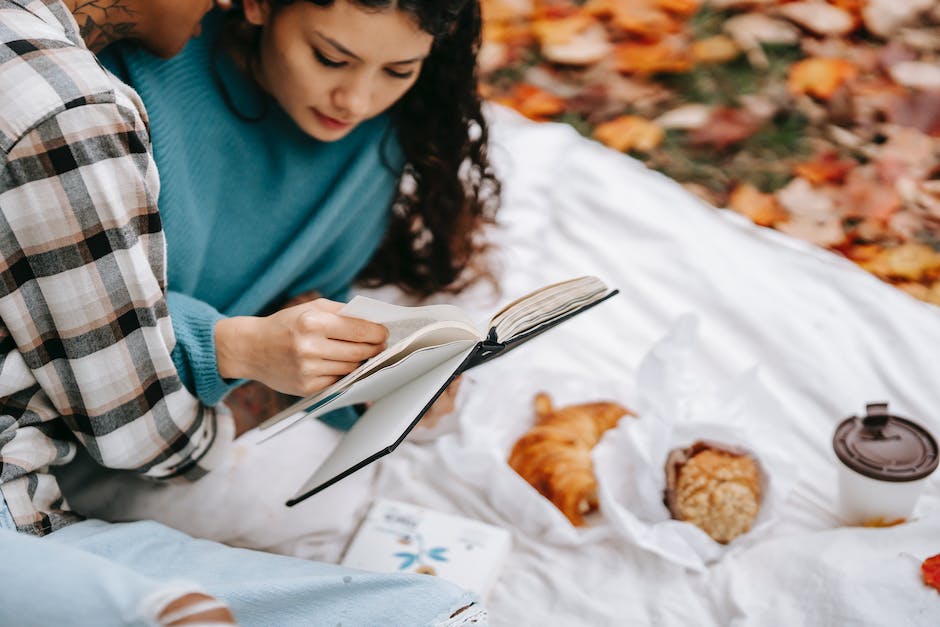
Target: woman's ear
{"x": 257, "y": 11}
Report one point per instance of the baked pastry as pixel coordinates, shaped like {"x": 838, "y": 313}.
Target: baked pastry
{"x": 714, "y": 487}
{"x": 555, "y": 455}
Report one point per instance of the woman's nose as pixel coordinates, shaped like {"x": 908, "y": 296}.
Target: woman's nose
{"x": 353, "y": 98}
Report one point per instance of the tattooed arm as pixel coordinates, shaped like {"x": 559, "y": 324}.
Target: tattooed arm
{"x": 102, "y": 22}
{"x": 161, "y": 28}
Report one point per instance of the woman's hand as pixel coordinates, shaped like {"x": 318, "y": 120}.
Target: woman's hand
{"x": 298, "y": 350}
{"x": 442, "y": 407}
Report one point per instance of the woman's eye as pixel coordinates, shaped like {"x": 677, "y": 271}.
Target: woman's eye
{"x": 402, "y": 75}
{"x": 326, "y": 61}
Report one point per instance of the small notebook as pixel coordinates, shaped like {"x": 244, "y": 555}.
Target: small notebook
{"x": 428, "y": 348}
{"x": 398, "y": 537}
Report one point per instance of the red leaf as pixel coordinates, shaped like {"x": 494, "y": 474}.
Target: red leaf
{"x": 920, "y": 110}
{"x": 931, "y": 571}
{"x": 725, "y": 127}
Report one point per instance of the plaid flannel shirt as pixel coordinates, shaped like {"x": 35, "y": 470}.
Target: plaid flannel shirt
{"x": 85, "y": 336}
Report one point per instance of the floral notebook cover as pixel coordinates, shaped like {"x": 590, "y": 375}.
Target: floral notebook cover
{"x": 405, "y": 538}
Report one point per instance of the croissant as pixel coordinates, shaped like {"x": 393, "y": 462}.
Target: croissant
{"x": 554, "y": 456}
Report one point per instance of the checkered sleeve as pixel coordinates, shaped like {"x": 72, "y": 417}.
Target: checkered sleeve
{"x": 82, "y": 292}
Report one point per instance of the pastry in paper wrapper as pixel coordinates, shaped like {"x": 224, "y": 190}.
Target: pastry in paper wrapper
{"x": 714, "y": 487}
{"x": 554, "y": 456}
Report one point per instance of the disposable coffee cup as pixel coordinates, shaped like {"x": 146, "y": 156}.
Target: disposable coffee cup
{"x": 885, "y": 463}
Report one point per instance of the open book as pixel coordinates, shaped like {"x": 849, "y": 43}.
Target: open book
{"x": 427, "y": 348}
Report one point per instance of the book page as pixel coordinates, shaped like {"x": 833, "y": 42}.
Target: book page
{"x": 402, "y": 322}
{"x": 545, "y": 304}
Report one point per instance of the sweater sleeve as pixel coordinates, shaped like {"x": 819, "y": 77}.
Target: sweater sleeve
{"x": 194, "y": 354}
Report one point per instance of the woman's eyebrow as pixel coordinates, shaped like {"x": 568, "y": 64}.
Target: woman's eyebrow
{"x": 343, "y": 49}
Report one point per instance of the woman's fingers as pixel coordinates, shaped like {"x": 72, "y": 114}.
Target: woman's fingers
{"x": 313, "y": 385}
{"x": 338, "y": 350}
{"x": 321, "y": 317}
{"x": 358, "y": 330}
{"x": 328, "y": 368}
{"x": 301, "y": 349}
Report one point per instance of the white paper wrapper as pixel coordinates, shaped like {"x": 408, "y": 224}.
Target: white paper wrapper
{"x": 499, "y": 406}
{"x": 678, "y": 402}
{"x": 681, "y": 401}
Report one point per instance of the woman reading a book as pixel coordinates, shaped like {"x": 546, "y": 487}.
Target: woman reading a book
{"x": 304, "y": 145}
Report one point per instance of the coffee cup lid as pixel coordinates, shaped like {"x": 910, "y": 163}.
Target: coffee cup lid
{"x": 885, "y": 447}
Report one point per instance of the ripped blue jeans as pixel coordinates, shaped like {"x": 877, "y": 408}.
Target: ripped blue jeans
{"x": 99, "y": 573}
{"x": 46, "y": 583}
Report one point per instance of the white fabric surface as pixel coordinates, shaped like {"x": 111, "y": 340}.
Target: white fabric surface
{"x": 825, "y": 337}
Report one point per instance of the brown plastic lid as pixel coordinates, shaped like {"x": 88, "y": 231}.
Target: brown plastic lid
{"x": 885, "y": 447}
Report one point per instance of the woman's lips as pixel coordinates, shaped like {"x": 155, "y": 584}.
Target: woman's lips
{"x": 329, "y": 122}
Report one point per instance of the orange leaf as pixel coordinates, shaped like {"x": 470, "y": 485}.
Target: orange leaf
{"x": 717, "y": 49}
{"x": 555, "y": 10}
{"x": 561, "y": 31}
{"x": 630, "y": 132}
{"x": 861, "y": 252}
{"x": 512, "y": 33}
{"x": 726, "y": 126}
{"x": 761, "y": 208}
{"x": 665, "y": 55}
{"x": 680, "y": 7}
{"x": 824, "y": 168}
{"x": 534, "y": 103}
{"x": 931, "y": 572}
{"x": 854, "y": 7}
{"x": 640, "y": 17}
{"x": 819, "y": 77}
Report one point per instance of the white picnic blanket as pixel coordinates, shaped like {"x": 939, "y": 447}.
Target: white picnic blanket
{"x": 823, "y": 337}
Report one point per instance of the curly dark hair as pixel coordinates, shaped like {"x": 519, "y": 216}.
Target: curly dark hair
{"x": 448, "y": 191}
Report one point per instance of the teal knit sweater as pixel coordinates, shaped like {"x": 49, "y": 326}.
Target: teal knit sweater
{"x": 254, "y": 212}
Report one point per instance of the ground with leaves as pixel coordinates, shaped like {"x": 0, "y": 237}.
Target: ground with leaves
{"x": 820, "y": 118}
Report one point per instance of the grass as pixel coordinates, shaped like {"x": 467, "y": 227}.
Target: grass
{"x": 722, "y": 84}
{"x": 766, "y": 158}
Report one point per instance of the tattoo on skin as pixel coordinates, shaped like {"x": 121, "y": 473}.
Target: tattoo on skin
{"x": 102, "y": 22}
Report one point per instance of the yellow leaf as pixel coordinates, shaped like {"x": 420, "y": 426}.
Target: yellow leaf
{"x": 907, "y": 262}
{"x": 820, "y": 77}
{"x": 630, "y": 132}
{"x": 717, "y": 49}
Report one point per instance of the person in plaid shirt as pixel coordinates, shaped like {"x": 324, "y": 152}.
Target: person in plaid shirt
{"x": 85, "y": 338}
{"x": 85, "y": 356}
